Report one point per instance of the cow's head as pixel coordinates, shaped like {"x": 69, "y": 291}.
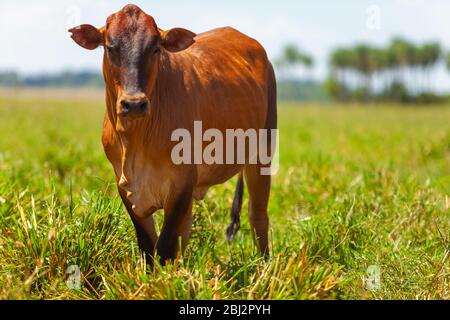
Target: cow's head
{"x": 133, "y": 45}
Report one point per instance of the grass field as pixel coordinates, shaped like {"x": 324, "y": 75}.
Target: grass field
{"x": 358, "y": 187}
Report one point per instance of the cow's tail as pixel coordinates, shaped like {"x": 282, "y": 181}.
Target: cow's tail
{"x": 235, "y": 224}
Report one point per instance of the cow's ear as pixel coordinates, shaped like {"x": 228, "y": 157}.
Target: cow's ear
{"x": 177, "y": 39}
{"x": 87, "y": 36}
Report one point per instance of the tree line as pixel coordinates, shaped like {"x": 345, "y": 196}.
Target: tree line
{"x": 402, "y": 71}
{"x": 61, "y": 79}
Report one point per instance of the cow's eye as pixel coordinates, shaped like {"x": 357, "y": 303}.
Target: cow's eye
{"x": 111, "y": 49}
{"x": 157, "y": 50}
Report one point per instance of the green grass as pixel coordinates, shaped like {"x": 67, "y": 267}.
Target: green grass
{"x": 357, "y": 187}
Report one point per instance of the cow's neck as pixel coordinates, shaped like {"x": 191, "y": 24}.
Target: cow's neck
{"x": 144, "y": 138}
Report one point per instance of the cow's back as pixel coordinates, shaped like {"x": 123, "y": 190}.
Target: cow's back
{"x": 225, "y": 80}
{"x": 236, "y": 70}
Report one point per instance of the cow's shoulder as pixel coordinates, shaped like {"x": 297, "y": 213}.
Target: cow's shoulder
{"x": 225, "y": 34}
{"x": 230, "y": 42}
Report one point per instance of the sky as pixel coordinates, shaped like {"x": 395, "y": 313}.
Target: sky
{"x": 34, "y": 37}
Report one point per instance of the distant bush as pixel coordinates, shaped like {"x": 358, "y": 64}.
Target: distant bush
{"x": 9, "y": 79}
{"x": 334, "y": 89}
{"x": 296, "y": 90}
{"x": 397, "y": 92}
{"x": 63, "y": 79}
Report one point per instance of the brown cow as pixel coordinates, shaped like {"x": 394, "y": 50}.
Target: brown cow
{"x": 159, "y": 81}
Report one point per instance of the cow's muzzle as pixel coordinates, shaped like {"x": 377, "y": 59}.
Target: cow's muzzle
{"x": 133, "y": 106}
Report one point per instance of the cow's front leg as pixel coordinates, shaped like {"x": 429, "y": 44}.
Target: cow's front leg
{"x": 145, "y": 230}
{"x": 177, "y": 224}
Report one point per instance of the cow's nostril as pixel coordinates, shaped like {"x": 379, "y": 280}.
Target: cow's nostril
{"x": 143, "y": 106}
{"x": 125, "y": 106}
{"x": 133, "y": 107}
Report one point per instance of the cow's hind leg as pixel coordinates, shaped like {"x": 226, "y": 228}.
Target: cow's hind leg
{"x": 145, "y": 230}
{"x": 259, "y": 184}
{"x": 259, "y": 191}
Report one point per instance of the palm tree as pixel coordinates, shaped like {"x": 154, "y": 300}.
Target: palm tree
{"x": 378, "y": 60}
{"x": 412, "y": 62}
{"x": 399, "y": 58}
{"x": 362, "y": 62}
{"x": 293, "y": 57}
{"x": 430, "y": 55}
{"x": 341, "y": 63}
{"x": 399, "y": 50}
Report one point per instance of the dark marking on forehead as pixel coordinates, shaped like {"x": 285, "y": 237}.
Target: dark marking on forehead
{"x": 130, "y": 20}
